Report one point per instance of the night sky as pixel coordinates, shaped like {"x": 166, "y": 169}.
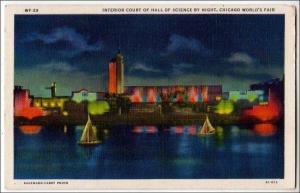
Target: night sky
{"x": 74, "y": 50}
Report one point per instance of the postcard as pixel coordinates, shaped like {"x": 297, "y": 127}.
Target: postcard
{"x": 149, "y": 96}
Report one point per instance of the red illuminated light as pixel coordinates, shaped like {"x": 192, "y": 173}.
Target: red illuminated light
{"x": 265, "y": 113}
{"x": 137, "y": 96}
{"x": 204, "y": 92}
{"x": 22, "y": 106}
{"x": 178, "y": 130}
{"x": 30, "y": 129}
{"x": 265, "y": 129}
{"x": 193, "y": 95}
{"x": 112, "y": 82}
{"x": 151, "y": 95}
{"x": 137, "y": 130}
{"x": 192, "y": 130}
{"x": 151, "y": 130}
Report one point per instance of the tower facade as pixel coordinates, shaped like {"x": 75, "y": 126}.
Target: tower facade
{"x": 116, "y": 75}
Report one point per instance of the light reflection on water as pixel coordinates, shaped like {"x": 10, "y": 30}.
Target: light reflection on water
{"x": 150, "y": 152}
{"x": 30, "y": 129}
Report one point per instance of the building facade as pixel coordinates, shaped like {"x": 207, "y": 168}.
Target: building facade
{"x": 50, "y": 104}
{"x": 85, "y": 95}
{"x": 21, "y": 99}
{"x": 176, "y": 94}
{"x": 116, "y": 75}
{"x": 249, "y": 95}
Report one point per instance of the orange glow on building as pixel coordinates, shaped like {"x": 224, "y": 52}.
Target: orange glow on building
{"x": 112, "y": 77}
{"x": 176, "y": 94}
{"x": 193, "y": 95}
{"x": 204, "y": 92}
{"x": 165, "y": 94}
{"x": 179, "y": 98}
{"x": 30, "y": 129}
{"x": 265, "y": 129}
{"x": 151, "y": 95}
{"x": 136, "y": 96}
{"x": 30, "y": 112}
{"x": 269, "y": 112}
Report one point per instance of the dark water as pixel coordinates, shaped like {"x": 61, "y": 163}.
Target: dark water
{"x": 150, "y": 152}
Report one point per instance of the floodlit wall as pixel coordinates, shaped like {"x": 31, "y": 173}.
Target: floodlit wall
{"x": 176, "y": 94}
{"x": 84, "y": 95}
{"x": 249, "y": 95}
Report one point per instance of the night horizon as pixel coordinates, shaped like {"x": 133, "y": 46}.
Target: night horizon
{"x": 229, "y": 50}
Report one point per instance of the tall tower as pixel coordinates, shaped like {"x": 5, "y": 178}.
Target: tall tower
{"x": 120, "y": 73}
{"x": 112, "y": 76}
{"x": 116, "y": 75}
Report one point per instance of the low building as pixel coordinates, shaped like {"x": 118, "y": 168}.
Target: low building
{"x": 174, "y": 94}
{"x": 84, "y": 95}
{"x": 145, "y": 108}
{"x": 249, "y": 95}
{"x": 21, "y": 99}
{"x": 52, "y": 105}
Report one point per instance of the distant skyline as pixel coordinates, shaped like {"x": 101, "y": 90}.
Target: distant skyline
{"x": 74, "y": 50}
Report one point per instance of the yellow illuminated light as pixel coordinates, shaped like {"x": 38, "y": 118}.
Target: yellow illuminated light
{"x": 45, "y": 104}
{"x": 224, "y": 107}
{"x": 37, "y": 104}
{"x": 263, "y": 103}
{"x": 52, "y": 104}
{"x": 65, "y": 113}
{"x": 98, "y": 107}
{"x": 105, "y": 131}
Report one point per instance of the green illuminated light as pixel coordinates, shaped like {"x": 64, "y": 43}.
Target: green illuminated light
{"x": 98, "y": 107}
{"x": 224, "y": 107}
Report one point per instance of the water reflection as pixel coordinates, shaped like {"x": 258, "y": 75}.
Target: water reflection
{"x": 145, "y": 129}
{"x": 30, "y": 129}
{"x": 143, "y": 152}
{"x": 220, "y": 137}
{"x": 65, "y": 129}
{"x": 183, "y": 130}
{"x": 234, "y": 131}
{"x": 265, "y": 129}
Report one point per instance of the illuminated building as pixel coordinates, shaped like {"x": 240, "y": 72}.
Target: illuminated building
{"x": 51, "y": 104}
{"x": 116, "y": 75}
{"x": 21, "y": 99}
{"x": 250, "y": 95}
{"x": 112, "y": 77}
{"x": 224, "y": 107}
{"x": 22, "y": 104}
{"x": 55, "y": 104}
{"x": 272, "y": 111}
{"x": 176, "y": 94}
{"x": 145, "y": 108}
{"x": 84, "y": 95}
{"x": 98, "y": 107}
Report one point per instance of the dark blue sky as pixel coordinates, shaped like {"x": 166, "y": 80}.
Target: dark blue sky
{"x": 74, "y": 50}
